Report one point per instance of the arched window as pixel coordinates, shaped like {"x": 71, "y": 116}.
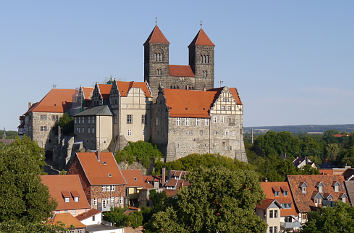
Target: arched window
{"x": 205, "y": 73}
{"x": 159, "y": 72}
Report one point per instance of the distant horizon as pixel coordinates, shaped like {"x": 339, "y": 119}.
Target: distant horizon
{"x": 291, "y": 61}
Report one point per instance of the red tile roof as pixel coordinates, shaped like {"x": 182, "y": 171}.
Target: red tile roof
{"x": 64, "y": 185}
{"x": 156, "y": 36}
{"x": 265, "y": 203}
{"x": 202, "y": 39}
{"x": 103, "y": 172}
{"x": 57, "y": 100}
{"x": 88, "y": 214}
{"x": 105, "y": 90}
{"x": 268, "y": 190}
{"x": 67, "y": 219}
{"x": 303, "y": 202}
{"x": 234, "y": 93}
{"x": 87, "y": 92}
{"x": 189, "y": 103}
{"x": 124, "y": 87}
{"x": 134, "y": 178}
{"x": 181, "y": 71}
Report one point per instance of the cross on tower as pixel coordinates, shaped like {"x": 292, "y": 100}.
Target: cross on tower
{"x": 221, "y": 82}
{"x": 156, "y": 20}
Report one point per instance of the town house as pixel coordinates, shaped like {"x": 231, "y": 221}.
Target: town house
{"x": 102, "y": 180}
{"x": 269, "y": 211}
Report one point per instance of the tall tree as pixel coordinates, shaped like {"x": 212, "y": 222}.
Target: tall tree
{"x": 339, "y": 219}
{"x": 23, "y": 197}
{"x": 219, "y": 200}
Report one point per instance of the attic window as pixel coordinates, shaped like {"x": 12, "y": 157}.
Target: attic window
{"x": 104, "y": 163}
{"x": 186, "y": 108}
{"x": 135, "y": 178}
{"x": 109, "y": 175}
{"x": 66, "y": 199}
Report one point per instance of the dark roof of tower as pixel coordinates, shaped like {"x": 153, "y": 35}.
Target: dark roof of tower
{"x": 201, "y": 39}
{"x": 156, "y": 36}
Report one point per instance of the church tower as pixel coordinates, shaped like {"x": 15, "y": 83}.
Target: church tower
{"x": 156, "y": 59}
{"x": 201, "y": 60}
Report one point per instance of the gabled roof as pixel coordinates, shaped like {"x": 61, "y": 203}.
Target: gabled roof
{"x": 102, "y": 110}
{"x": 67, "y": 219}
{"x": 304, "y": 201}
{"x": 88, "y": 214}
{"x": 105, "y": 90}
{"x": 134, "y": 178}
{"x": 60, "y": 186}
{"x": 268, "y": 188}
{"x": 349, "y": 185}
{"x": 156, "y": 37}
{"x": 100, "y": 172}
{"x": 57, "y": 100}
{"x": 124, "y": 87}
{"x": 180, "y": 71}
{"x": 267, "y": 202}
{"x": 201, "y": 39}
{"x": 193, "y": 103}
{"x": 87, "y": 92}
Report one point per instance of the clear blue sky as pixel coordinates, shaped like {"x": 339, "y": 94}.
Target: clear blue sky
{"x": 292, "y": 61}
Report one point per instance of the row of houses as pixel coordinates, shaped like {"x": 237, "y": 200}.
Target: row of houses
{"x": 287, "y": 204}
{"x": 95, "y": 184}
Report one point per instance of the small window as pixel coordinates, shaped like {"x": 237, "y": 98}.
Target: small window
{"x": 229, "y": 108}
{"x": 93, "y": 130}
{"x": 43, "y": 128}
{"x": 275, "y": 213}
{"x": 270, "y": 229}
{"x": 43, "y": 117}
{"x": 94, "y": 201}
{"x": 129, "y": 119}
{"x": 304, "y": 190}
{"x": 104, "y": 203}
{"x": 270, "y": 213}
{"x": 201, "y": 132}
{"x": 143, "y": 120}
{"x": 129, "y": 132}
{"x": 197, "y": 121}
{"x": 103, "y": 188}
{"x": 159, "y": 72}
{"x": 178, "y": 121}
{"x": 93, "y": 218}
{"x": 207, "y": 122}
{"x": 205, "y": 73}
{"x": 215, "y": 119}
{"x": 76, "y": 199}
{"x": 285, "y": 193}
{"x": 223, "y": 108}
{"x": 276, "y": 193}
{"x": 88, "y": 129}
{"x": 66, "y": 199}
{"x": 275, "y": 229}
{"x": 121, "y": 200}
{"x": 88, "y": 120}
{"x": 113, "y": 188}
{"x": 187, "y": 121}
{"x": 336, "y": 188}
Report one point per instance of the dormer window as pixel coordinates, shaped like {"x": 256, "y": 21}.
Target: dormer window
{"x": 76, "y": 199}
{"x": 285, "y": 193}
{"x": 66, "y": 199}
{"x": 66, "y": 196}
{"x": 303, "y": 187}
{"x": 343, "y": 197}
{"x": 276, "y": 193}
{"x": 336, "y": 186}
{"x": 320, "y": 187}
{"x": 75, "y": 196}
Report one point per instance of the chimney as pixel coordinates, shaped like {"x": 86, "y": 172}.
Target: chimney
{"x": 98, "y": 156}
{"x": 266, "y": 180}
{"x": 29, "y": 105}
{"x": 163, "y": 175}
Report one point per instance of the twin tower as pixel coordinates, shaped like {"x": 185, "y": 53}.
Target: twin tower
{"x": 198, "y": 75}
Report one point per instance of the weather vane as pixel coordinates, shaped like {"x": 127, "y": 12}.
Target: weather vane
{"x": 156, "y": 20}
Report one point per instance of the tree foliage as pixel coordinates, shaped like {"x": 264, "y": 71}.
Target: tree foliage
{"x": 140, "y": 151}
{"x": 23, "y": 198}
{"x": 119, "y": 218}
{"x": 219, "y": 200}
{"x": 66, "y": 123}
{"x": 339, "y": 219}
{"x": 15, "y": 226}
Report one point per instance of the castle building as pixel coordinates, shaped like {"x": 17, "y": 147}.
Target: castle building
{"x": 197, "y": 75}
{"x": 194, "y": 121}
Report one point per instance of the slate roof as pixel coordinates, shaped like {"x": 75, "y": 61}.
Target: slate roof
{"x": 61, "y": 186}
{"x": 101, "y": 172}
{"x": 180, "y": 71}
{"x": 268, "y": 190}
{"x": 56, "y": 100}
{"x": 349, "y": 185}
{"x": 157, "y": 37}
{"x": 304, "y": 202}
{"x": 102, "y": 110}
{"x": 201, "y": 39}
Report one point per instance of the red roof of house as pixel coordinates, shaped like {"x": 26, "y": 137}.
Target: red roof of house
{"x": 101, "y": 172}
{"x": 134, "y": 178}
{"x": 179, "y": 184}
{"x": 268, "y": 190}
{"x": 124, "y": 87}
{"x": 88, "y": 214}
{"x": 265, "y": 203}
{"x": 67, "y": 219}
{"x": 57, "y": 100}
{"x": 61, "y": 186}
{"x": 105, "y": 90}
{"x": 326, "y": 171}
{"x": 181, "y": 71}
{"x": 202, "y": 39}
{"x": 304, "y": 202}
{"x": 156, "y": 36}
{"x": 87, "y": 92}
{"x": 193, "y": 103}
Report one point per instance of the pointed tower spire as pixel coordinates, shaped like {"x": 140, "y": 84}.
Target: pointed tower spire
{"x": 156, "y": 37}
{"x": 201, "y": 39}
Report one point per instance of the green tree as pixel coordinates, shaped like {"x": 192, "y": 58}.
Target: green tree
{"x": 339, "y": 219}
{"x": 219, "y": 200}
{"x": 332, "y": 151}
{"x": 116, "y": 216}
{"x": 14, "y": 226}
{"x": 140, "y": 151}
{"x": 23, "y": 198}
{"x": 135, "y": 219}
{"x": 66, "y": 123}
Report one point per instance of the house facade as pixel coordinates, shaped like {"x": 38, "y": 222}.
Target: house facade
{"x": 193, "y": 121}
{"x": 269, "y": 211}
{"x": 101, "y": 178}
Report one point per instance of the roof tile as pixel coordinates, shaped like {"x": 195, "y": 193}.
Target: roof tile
{"x": 180, "y": 71}
{"x": 156, "y": 36}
